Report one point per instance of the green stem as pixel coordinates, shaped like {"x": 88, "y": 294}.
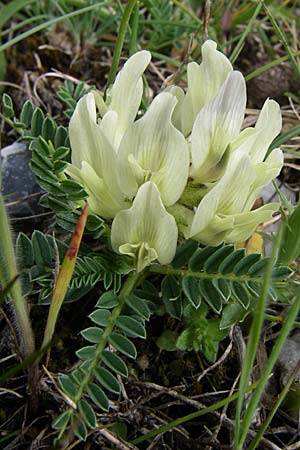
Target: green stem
{"x": 120, "y": 42}
{"x": 8, "y": 271}
{"x": 133, "y": 279}
{"x": 284, "y": 332}
{"x": 11, "y": 124}
{"x": 134, "y": 30}
{"x": 169, "y": 270}
{"x": 128, "y": 287}
{"x": 51, "y": 22}
{"x": 281, "y": 36}
{"x": 253, "y": 341}
{"x": 271, "y": 414}
{"x": 188, "y": 11}
{"x": 240, "y": 44}
{"x": 175, "y": 423}
{"x": 268, "y": 66}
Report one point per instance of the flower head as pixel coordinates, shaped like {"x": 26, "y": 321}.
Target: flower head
{"x": 146, "y": 231}
{"x": 154, "y": 150}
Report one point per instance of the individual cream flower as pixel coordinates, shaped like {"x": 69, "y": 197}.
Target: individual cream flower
{"x": 216, "y": 126}
{"x": 152, "y": 149}
{"x": 146, "y": 231}
{"x": 204, "y": 81}
{"x": 94, "y": 160}
{"x": 224, "y": 215}
{"x": 255, "y": 141}
{"x": 94, "y": 141}
{"x": 123, "y": 98}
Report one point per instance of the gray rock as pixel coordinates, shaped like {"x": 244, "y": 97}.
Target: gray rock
{"x": 19, "y": 187}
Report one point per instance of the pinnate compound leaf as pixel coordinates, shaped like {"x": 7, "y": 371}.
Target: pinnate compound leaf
{"x": 241, "y": 294}
{"x": 232, "y": 314}
{"x": 170, "y": 288}
{"x": 108, "y": 280}
{"x": 42, "y": 252}
{"x": 254, "y": 288}
{"x": 100, "y": 317}
{"x": 191, "y": 289}
{"x": 114, "y": 362}
{"x": 259, "y": 268}
{"x": 87, "y": 412}
{"x": 86, "y": 353}
{"x": 98, "y": 396}
{"x": 290, "y": 243}
{"x": 211, "y": 265}
{"x": 107, "y": 379}
{"x": 281, "y": 273}
{"x": 62, "y": 420}
{"x": 183, "y": 253}
{"x": 108, "y": 300}
{"x": 131, "y": 327}
{"x": 223, "y": 287}
{"x": 80, "y": 431}
{"x": 244, "y": 265}
{"x": 92, "y": 334}
{"x": 67, "y": 386}
{"x": 24, "y": 250}
{"x": 138, "y": 305}
{"x": 123, "y": 345}
{"x": 198, "y": 259}
{"x": 231, "y": 260}
{"x": 210, "y": 294}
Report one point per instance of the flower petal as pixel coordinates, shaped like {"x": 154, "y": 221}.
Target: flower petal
{"x": 228, "y": 196}
{"x": 153, "y": 149}
{"x": 204, "y": 81}
{"x": 246, "y": 222}
{"x": 125, "y": 95}
{"x": 93, "y": 155}
{"x": 146, "y": 231}
{"x": 81, "y": 133}
{"x": 216, "y": 126}
{"x": 256, "y": 141}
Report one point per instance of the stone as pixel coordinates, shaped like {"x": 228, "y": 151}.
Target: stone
{"x": 20, "y": 190}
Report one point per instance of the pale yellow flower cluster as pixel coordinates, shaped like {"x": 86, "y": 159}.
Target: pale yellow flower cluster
{"x": 185, "y": 164}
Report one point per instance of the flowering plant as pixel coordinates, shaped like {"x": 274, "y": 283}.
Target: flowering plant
{"x": 184, "y": 165}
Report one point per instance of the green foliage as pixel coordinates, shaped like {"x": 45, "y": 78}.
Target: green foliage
{"x": 50, "y": 149}
{"x": 201, "y": 333}
{"x": 95, "y": 379}
{"x": 222, "y": 277}
{"x": 39, "y": 256}
{"x": 70, "y": 94}
{"x": 290, "y": 244}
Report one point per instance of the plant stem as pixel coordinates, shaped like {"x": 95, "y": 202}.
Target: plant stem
{"x": 271, "y": 414}
{"x": 175, "y": 423}
{"x": 133, "y": 279}
{"x": 169, "y": 270}
{"x": 284, "y": 332}
{"x": 120, "y": 42}
{"x": 253, "y": 341}
{"x": 129, "y": 285}
{"x": 8, "y": 271}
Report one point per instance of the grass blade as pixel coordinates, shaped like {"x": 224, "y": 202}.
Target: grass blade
{"x": 120, "y": 41}
{"x": 253, "y": 342}
{"x": 51, "y": 22}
